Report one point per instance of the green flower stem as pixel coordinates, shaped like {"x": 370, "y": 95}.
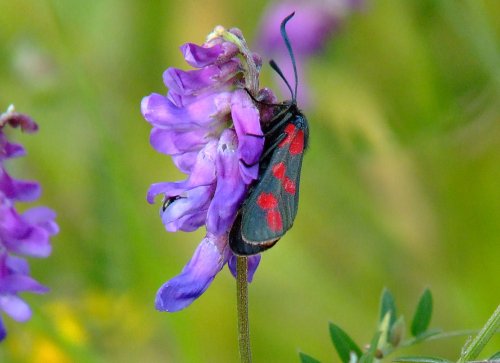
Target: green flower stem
{"x": 472, "y": 350}
{"x": 242, "y": 306}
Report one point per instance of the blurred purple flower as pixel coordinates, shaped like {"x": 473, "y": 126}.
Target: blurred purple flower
{"x": 315, "y": 22}
{"x": 26, "y": 233}
{"x": 210, "y": 127}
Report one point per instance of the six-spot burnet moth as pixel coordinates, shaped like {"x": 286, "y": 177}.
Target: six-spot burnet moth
{"x": 272, "y": 202}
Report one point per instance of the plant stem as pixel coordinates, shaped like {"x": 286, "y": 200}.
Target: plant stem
{"x": 437, "y": 335}
{"x": 250, "y": 68}
{"x": 242, "y": 306}
{"x": 472, "y": 350}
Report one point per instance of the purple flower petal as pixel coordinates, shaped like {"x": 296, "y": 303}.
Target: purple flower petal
{"x": 10, "y": 150}
{"x": 253, "y": 263}
{"x": 3, "y": 332}
{"x": 16, "y": 119}
{"x": 170, "y": 189}
{"x": 196, "y": 277}
{"x": 14, "y": 264}
{"x": 189, "y": 211}
{"x": 246, "y": 121}
{"x": 202, "y": 111}
{"x": 189, "y": 82}
{"x": 20, "y": 236}
{"x": 202, "y": 174}
{"x": 34, "y": 243}
{"x": 230, "y": 190}
{"x": 199, "y": 56}
{"x": 231, "y": 50}
{"x": 13, "y": 284}
{"x": 185, "y": 161}
{"x": 249, "y": 173}
{"x": 15, "y": 307}
{"x": 42, "y": 217}
{"x": 195, "y": 81}
{"x": 19, "y": 190}
{"x": 172, "y": 142}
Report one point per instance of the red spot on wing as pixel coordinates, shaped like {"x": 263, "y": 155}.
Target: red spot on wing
{"x": 297, "y": 145}
{"x": 289, "y": 131}
{"x": 274, "y": 221}
{"x": 267, "y": 201}
{"x": 289, "y": 186}
{"x": 279, "y": 170}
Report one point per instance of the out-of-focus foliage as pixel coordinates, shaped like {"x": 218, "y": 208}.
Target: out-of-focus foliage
{"x": 400, "y": 187}
{"x": 389, "y": 336}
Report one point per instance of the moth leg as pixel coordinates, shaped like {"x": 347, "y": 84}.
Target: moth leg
{"x": 261, "y": 102}
{"x": 273, "y": 146}
{"x": 280, "y": 119}
{"x": 255, "y": 135}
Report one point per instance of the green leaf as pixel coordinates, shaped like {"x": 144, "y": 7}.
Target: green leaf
{"x": 417, "y": 359}
{"x": 423, "y": 314}
{"x": 304, "y": 358}
{"x": 427, "y": 334}
{"x": 495, "y": 356}
{"x": 343, "y": 343}
{"x": 387, "y": 304}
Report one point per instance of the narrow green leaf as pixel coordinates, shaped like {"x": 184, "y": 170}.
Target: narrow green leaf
{"x": 427, "y": 334}
{"x": 304, "y": 358}
{"x": 387, "y": 304}
{"x": 417, "y": 359}
{"x": 495, "y": 356}
{"x": 423, "y": 314}
{"x": 471, "y": 350}
{"x": 343, "y": 343}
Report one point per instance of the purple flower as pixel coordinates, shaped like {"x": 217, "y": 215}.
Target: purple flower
{"x": 210, "y": 126}
{"x": 315, "y": 22}
{"x": 14, "y": 278}
{"x": 26, "y": 233}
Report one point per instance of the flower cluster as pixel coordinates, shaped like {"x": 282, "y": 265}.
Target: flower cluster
{"x": 315, "y": 22}
{"x": 26, "y": 233}
{"x": 210, "y": 126}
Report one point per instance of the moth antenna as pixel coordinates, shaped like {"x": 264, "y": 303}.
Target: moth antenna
{"x": 277, "y": 69}
{"x": 290, "y": 51}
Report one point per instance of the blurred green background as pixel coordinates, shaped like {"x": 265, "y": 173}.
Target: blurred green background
{"x": 400, "y": 187}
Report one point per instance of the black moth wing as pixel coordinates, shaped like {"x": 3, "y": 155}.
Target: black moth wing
{"x": 241, "y": 247}
{"x": 258, "y": 224}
